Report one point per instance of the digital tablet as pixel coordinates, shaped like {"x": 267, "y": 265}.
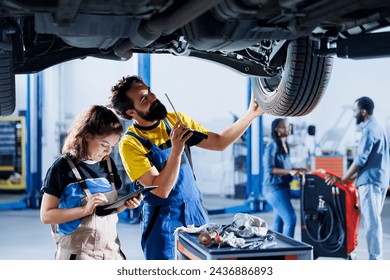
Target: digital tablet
{"x": 125, "y": 198}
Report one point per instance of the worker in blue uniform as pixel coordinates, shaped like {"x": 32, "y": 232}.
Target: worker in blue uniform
{"x": 156, "y": 151}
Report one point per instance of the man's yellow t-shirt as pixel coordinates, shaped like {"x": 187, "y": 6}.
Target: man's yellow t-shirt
{"x": 133, "y": 153}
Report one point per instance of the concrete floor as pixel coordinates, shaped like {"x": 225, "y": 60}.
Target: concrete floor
{"x": 23, "y": 237}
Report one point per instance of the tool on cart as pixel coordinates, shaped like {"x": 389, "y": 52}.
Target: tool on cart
{"x": 207, "y": 238}
{"x": 246, "y": 231}
{"x": 261, "y": 242}
{"x": 245, "y": 225}
{"x": 214, "y": 242}
{"x": 229, "y": 239}
{"x": 277, "y": 247}
{"x": 194, "y": 229}
{"x": 329, "y": 216}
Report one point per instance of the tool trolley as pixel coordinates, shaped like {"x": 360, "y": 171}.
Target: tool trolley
{"x": 283, "y": 247}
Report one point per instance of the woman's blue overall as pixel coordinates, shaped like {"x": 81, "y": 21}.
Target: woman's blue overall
{"x": 160, "y": 217}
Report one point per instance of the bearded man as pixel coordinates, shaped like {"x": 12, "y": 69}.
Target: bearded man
{"x": 156, "y": 151}
{"x": 371, "y": 170}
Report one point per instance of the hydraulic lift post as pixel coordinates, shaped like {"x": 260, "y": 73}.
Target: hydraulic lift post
{"x": 253, "y": 203}
{"x": 32, "y": 197}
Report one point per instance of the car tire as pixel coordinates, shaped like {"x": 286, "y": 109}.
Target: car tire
{"x": 7, "y": 84}
{"x": 299, "y": 87}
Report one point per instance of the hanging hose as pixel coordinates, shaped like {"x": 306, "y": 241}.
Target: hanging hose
{"x": 334, "y": 247}
{"x": 324, "y": 208}
{"x": 335, "y": 226}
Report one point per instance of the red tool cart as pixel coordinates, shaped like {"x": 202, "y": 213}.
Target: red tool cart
{"x": 329, "y": 216}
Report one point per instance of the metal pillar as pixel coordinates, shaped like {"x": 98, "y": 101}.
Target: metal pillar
{"x": 32, "y": 197}
{"x": 35, "y": 144}
{"x": 254, "y": 202}
{"x": 144, "y": 68}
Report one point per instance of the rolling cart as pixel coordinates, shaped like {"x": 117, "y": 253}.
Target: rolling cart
{"x": 283, "y": 248}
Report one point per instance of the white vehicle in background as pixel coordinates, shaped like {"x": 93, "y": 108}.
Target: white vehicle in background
{"x": 285, "y": 46}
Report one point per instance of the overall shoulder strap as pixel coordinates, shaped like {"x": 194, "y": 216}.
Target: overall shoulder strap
{"x": 112, "y": 178}
{"x": 169, "y": 128}
{"x": 77, "y": 175}
{"x": 145, "y": 142}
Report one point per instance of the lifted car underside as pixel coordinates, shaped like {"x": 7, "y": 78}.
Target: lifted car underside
{"x": 285, "y": 46}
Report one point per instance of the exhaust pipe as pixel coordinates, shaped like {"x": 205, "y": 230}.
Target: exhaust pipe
{"x": 153, "y": 29}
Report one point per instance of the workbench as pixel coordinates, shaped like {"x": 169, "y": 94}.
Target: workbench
{"x": 283, "y": 248}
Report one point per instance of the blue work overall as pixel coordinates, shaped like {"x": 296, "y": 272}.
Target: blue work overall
{"x": 160, "y": 216}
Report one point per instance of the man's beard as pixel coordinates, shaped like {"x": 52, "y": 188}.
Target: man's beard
{"x": 359, "y": 118}
{"x": 156, "y": 112}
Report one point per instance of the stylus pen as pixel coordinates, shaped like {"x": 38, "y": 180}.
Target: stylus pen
{"x": 173, "y": 107}
{"x": 195, "y": 133}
